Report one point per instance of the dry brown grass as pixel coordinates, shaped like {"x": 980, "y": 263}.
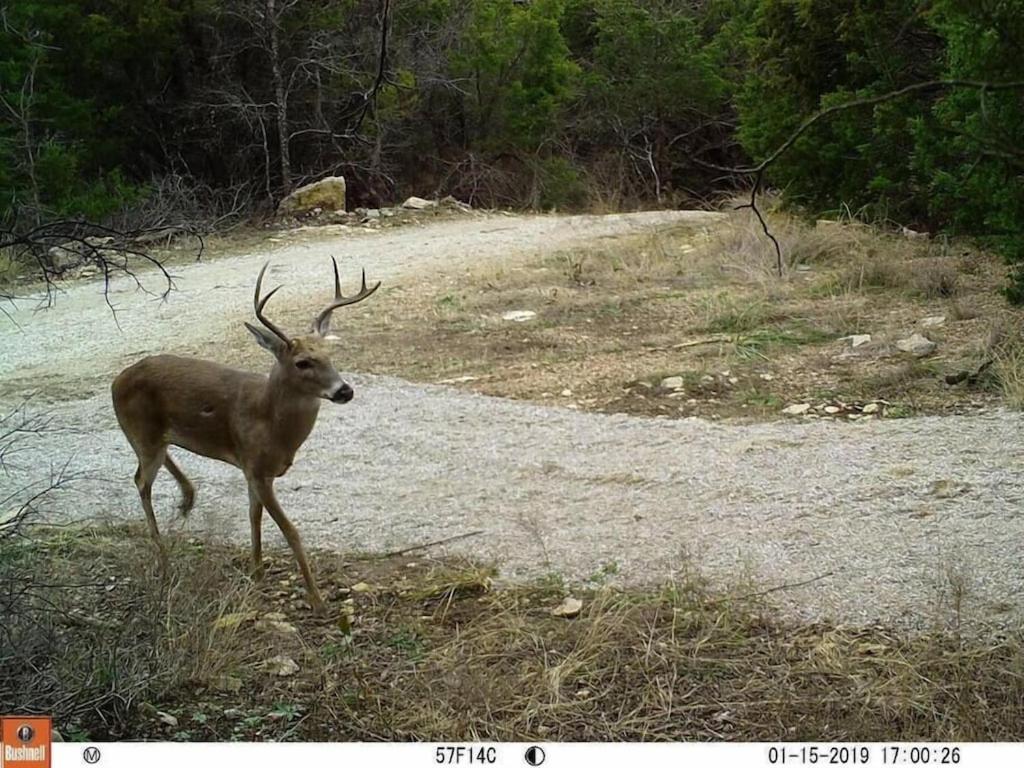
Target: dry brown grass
{"x": 615, "y": 317}
{"x": 438, "y": 654}
{"x": 1005, "y": 348}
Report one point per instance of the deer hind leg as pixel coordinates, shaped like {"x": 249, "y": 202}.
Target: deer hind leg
{"x": 188, "y": 491}
{"x": 149, "y": 464}
{"x": 256, "y": 526}
{"x": 265, "y": 489}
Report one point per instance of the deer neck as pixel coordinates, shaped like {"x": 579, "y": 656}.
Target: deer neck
{"x": 291, "y": 415}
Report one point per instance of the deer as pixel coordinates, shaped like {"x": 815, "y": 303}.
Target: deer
{"x": 253, "y": 421}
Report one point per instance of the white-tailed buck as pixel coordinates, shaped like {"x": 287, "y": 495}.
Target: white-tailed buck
{"x": 253, "y": 421}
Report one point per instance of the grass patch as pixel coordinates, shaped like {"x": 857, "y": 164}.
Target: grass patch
{"x": 437, "y": 654}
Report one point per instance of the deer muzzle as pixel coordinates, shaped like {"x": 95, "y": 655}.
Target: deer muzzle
{"x": 342, "y": 394}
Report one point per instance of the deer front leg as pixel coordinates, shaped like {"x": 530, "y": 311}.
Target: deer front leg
{"x": 265, "y": 490}
{"x": 256, "y": 529}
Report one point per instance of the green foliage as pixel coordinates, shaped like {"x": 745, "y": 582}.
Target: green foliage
{"x": 548, "y": 103}
{"x": 517, "y": 63}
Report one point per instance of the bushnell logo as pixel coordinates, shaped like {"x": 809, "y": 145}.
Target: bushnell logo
{"x": 26, "y": 742}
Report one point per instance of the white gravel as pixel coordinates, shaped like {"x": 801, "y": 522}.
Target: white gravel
{"x": 908, "y": 516}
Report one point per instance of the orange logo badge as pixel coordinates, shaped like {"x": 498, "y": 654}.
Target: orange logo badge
{"x": 26, "y": 742}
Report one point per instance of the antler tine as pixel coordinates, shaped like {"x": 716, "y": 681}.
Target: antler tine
{"x": 258, "y": 304}
{"x": 340, "y": 300}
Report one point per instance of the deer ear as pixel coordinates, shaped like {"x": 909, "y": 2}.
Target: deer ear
{"x": 267, "y": 340}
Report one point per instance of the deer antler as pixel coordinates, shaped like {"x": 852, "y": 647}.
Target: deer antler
{"x": 323, "y": 319}
{"x": 258, "y": 304}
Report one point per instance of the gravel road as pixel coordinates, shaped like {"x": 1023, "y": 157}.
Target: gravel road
{"x": 893, "y": 521}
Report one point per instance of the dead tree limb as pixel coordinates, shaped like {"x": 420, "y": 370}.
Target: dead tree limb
{"x": 51, "y": 250}
{"x": 758, "y": 170}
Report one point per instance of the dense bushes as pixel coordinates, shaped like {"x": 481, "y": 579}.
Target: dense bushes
{"x": 551, "y": 103}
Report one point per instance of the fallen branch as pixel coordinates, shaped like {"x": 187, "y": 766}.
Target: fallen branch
{"x": 417, "y": 547}
{"x": 779, "y": 588}
{"x": 758, "y": 171}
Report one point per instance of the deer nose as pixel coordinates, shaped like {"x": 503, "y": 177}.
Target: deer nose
{"x": 342, "y": 394}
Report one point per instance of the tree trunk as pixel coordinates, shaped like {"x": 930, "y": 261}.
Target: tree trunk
{"x": 280, "y": 100}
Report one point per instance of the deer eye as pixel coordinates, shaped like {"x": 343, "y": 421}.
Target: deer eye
{"x": 303, "y": 364}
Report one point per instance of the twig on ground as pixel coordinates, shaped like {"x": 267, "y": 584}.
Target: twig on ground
{"x": 447, "y": 540}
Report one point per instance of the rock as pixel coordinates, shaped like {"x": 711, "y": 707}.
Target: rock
{"x": 362, "y": 586}
{"x": 947, "y": 489}
{"x": 766, "y": 377}
{"x": 267, "y": 624}
{"x": 167, "y": 719}
{"x": 233, "y": 713}
{"x": 232, "y": 620}
{"x": 64, "y": 257}
{"x": 156, "y": 235}
{"x": 96, "y": 242}
{"x": 831, "y": 409}
{"x": 672, "y": 382}
{"x": 327, "y": 193}
{"x": 871, "y": 408}
{"x": 566, "y": 392}
{"x": 419, "y": 204}
{"x": 519, "y": 315}
{"x": 932, "y": 321}
{"x": 451, "y": 202}
{"x": 914, "y": 235}
{"x": 916, "y": 345}
{"x": 372, "y": 213}
{"x": 226, "y": 684}
{"x": 568, "y": 609}
{"x": 797, "y": 409}
{"x": 282, "y": 666}
{"x": 857, "y": 339}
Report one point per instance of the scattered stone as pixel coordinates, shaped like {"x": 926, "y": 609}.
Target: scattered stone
{"x": 947, "y": 489}
{"x": 419, "y": 204}
{"x": 672, "y": 382}
{"x": 282, "y": 666}
{"x": 519, "y": 315}
{"x": 327, "y": 193}
{"x": 232, "y": 620}
{"x": 267, "y": 624}
{"x": 916, "y": 345}
{"x": 871, "y": 408}
{"x": 832, "y": 409}
{"x": 932, "y": 321}
{"x": 451, "y": 202}
{"x": 569, "y": 608}
{"x": 63, "y": 257}
{"x": 857, "y": 339}
{"x": 372, "y": 213}
{"x": 226, "y": 684}
{"x": 362, "y": 586}
{"x": 167, "y": 719}
{"x": 797, "y": 409}
{"x": 165, "y": 234}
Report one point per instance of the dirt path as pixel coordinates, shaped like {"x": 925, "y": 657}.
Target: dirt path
{"x": 912, "y": 518}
